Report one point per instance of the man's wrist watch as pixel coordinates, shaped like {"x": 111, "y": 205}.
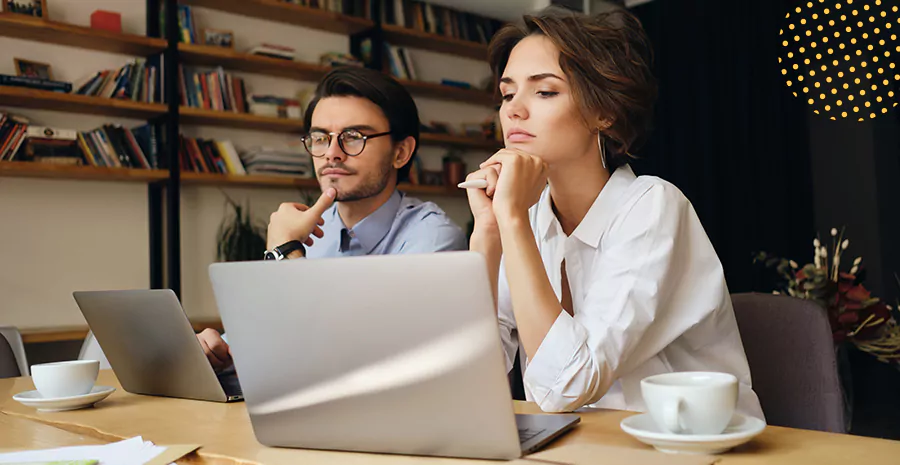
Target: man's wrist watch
{"x": 282, "y": 251}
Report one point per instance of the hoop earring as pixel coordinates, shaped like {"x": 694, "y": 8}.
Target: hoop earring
{"x": 602, "y": 150}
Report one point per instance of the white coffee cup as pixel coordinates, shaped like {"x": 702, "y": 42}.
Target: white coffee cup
{"x": 691, "y": 402}
{"x": 65, "y": 379}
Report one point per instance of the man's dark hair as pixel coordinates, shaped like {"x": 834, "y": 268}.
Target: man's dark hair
{"x": 393, "y": 99}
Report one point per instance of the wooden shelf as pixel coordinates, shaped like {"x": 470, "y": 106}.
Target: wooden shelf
{"x": 56, "y": 101}
{"x": 24, "y": 169}
{"x": 52, "y": 32}
{"x": 206, "y": 55}
{"x": 442, "y": 92}
{"x": 282, "y": 12}
{"x": 405, "y": 37}
{"x": 459, "y": 141}
{"x": 282, "y": 182}
{"x": 197, "y": 116}
{"x": 78, "y": 333}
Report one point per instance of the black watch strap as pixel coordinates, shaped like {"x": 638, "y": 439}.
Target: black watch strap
{"x": 282, "y": 251}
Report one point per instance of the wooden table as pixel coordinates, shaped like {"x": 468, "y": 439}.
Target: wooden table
{"x": 224, "y": 431}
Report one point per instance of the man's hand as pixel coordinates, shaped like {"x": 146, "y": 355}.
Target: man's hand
{"x": 216, "y": 349}
{"x": 297, "y": 222}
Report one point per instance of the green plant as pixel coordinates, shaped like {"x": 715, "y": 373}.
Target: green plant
{"x": 240, "y": 238}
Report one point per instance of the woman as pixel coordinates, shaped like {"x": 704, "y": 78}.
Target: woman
{"x": 601, "y": 278}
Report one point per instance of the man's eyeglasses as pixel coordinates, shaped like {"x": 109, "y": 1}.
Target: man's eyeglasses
{"x": 351, "y": 142}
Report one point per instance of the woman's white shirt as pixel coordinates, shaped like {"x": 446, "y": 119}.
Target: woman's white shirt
{"x": 648, "y": 293}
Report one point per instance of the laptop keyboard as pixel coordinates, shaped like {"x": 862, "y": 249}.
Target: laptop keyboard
{"x": 528, "y": 434}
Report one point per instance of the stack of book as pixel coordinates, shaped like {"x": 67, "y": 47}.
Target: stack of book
{"x": 275, "y": 107}
{"x": 274, "y": 161}
{"x": 439, "y": 20}
{"x": 136, "y": 81}
{"x": 51, "y": 145}
{"x": 273, "y": 51}
{"x": 359, "y": 8}
{"x": 209, "y": 156}
{"x": 35, "y": 83}
{"x": 400, "y": 62}
{"x": 214, "y": 90}
{"x": 12, "y": 135}
{"x": 117, "y": 147}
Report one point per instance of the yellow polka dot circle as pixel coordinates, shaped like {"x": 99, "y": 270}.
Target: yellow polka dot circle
{"x": 833, "y": 51}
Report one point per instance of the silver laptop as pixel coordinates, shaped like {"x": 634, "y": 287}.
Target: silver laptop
{"x": 388, "y": 354}
{"x": 151, "y": 345}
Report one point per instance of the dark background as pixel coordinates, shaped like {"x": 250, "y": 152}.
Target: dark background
{"x": 766, "y": 174}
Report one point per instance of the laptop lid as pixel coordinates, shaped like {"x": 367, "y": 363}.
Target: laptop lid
{"x": 391, "y": 354}
{"x": 150, "y": 343}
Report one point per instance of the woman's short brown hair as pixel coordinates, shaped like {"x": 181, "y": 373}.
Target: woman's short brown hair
{"x": 607, "y": 59}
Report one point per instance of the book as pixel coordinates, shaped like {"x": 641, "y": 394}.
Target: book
{"x": 35, "y": 83}
{"x": 273, "y": 51}
{"x": 43, "y": 132}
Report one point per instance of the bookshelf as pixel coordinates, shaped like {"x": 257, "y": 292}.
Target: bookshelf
{"x": 274, "y": 10}
{"x": 70, "y": 103}
{"x": 24, "y": 169}
{"x": 163, "y": 186}
{"x": 204, "y": 55}
{"x": 282, "y": 182}
{"x": 405, "y": 37}
{"x": 52, "y": 32}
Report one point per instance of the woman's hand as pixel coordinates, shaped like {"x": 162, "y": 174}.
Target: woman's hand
{"x": 522, "y": 179}
{"x": 480, "y": 199}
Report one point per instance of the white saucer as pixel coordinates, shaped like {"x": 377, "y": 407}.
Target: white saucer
{"x": 741, "y": 430}
{"x": 61, "y": 404}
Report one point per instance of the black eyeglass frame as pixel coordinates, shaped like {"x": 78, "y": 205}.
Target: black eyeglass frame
{"x": 330, "y": 136}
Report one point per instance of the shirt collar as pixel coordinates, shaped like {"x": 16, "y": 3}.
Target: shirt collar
{"x": 372, "y": 229}
{"x": 598, "y": 216}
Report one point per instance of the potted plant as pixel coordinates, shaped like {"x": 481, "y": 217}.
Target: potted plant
{"x": 240, "y": 238}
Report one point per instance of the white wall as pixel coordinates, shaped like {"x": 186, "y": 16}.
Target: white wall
{"x": 61, "y": 236}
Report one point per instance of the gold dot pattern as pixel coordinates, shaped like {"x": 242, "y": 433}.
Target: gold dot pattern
{"x": 864, "y": 35}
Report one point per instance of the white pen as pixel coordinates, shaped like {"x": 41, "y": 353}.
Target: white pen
{"x": 473, "y": 184}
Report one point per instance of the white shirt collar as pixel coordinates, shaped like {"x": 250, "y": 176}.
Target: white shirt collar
{"x": 598, "y": 216}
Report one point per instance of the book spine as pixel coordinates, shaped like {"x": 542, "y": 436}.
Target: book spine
{"x": 112, "y": 133}
{"x": 93, "y": 149}
{"x": 86, "y": 151}
{"x": 20, "y": 139}
{"x": 136, "y": 149}
{"x": 108, "y": 148}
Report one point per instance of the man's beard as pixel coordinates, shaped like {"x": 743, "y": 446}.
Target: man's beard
{"x": 370, "y": 186}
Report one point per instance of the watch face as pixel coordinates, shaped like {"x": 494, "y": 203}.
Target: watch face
{"x": 269, "y": 256}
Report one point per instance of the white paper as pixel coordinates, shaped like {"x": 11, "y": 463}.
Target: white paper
{"x": 134, "y": 451}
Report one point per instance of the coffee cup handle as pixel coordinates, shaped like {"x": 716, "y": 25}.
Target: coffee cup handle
{"x": 672, "y": 416}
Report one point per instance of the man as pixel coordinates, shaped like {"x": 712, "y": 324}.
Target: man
{"x": 363, "y": 133}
